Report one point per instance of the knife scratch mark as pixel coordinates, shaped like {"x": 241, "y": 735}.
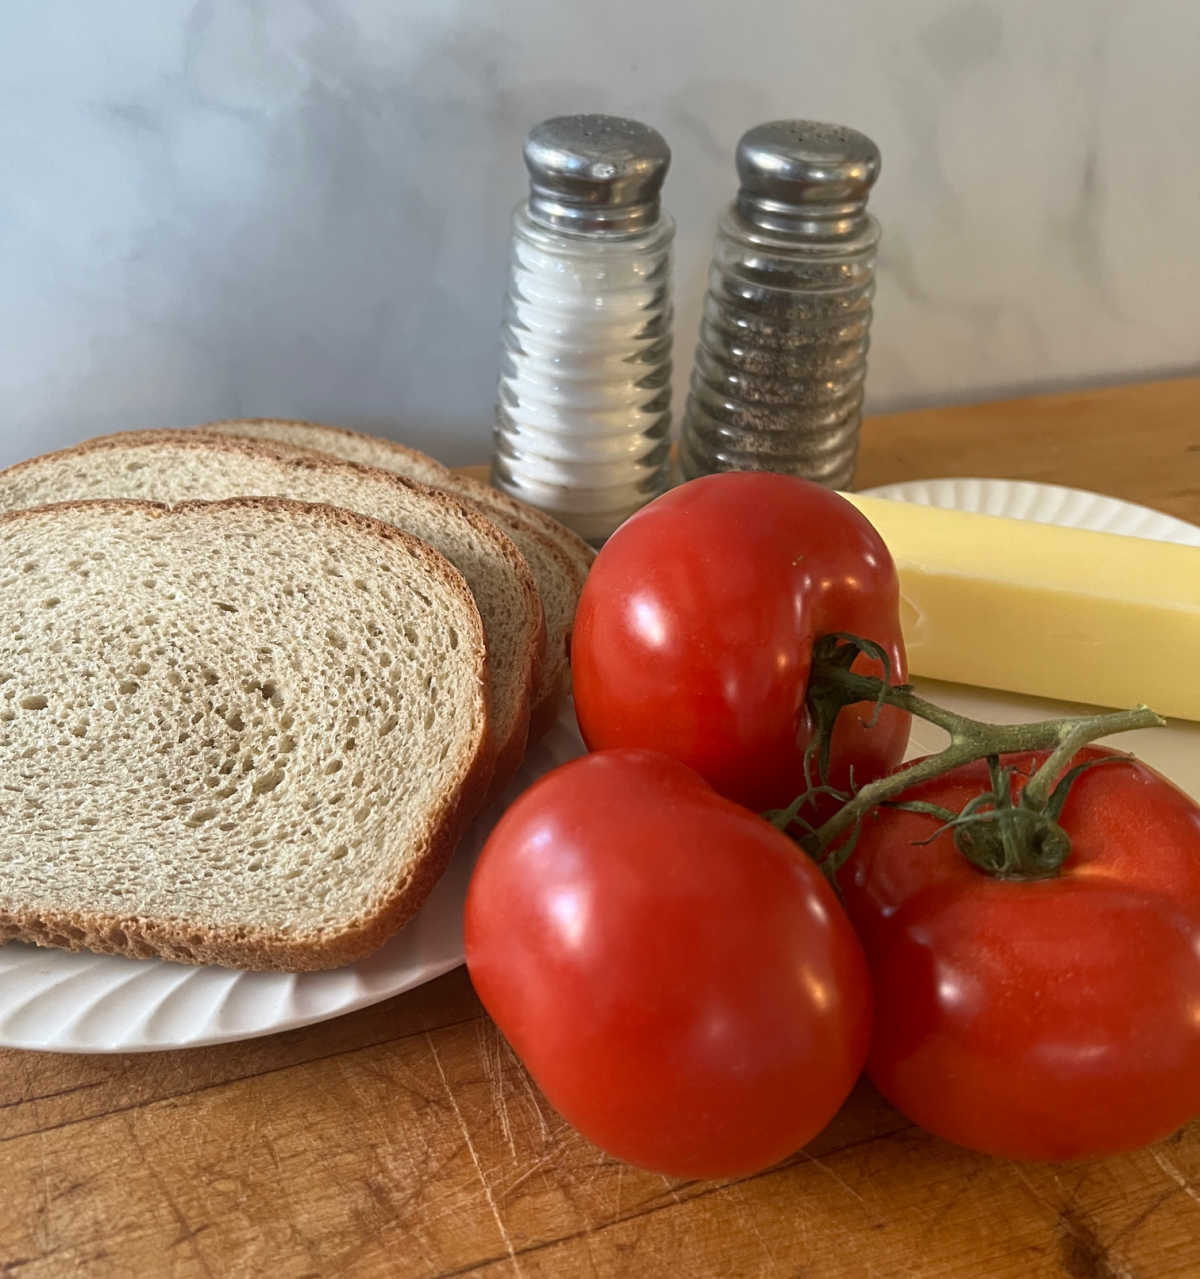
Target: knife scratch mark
{"x": 1177, "y": 1176}
{"x": 466, "y": 1132}
{"x": 543, "y": 1126}
{"x": 492, "y": 1055}
{"x": 841, "y": 1181}
{"x": 748, "y": 1213}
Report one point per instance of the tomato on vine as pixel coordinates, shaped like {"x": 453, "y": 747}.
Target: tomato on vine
{"x": 677, "y": 976}
{"x": 1030, "y": 910}
{"x": 695, "y": 630}
{"x": 1043, "y": 1013}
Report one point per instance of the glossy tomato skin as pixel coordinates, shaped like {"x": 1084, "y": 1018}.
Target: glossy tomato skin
{"x": 678, "y": 978}
{"x": 694, "y": 632}
{"x": 1047, "y": 1019}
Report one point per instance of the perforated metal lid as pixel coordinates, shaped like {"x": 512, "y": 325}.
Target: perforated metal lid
{"x": 596, "y": 173}
{"x": 800, "y": 175}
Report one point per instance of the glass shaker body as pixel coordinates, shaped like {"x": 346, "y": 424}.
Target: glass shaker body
{"x": 584, "y": 406}
{"x": 777, "y": 382}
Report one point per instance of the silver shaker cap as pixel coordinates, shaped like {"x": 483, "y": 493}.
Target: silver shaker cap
{"x": 595, "y": 173}
{"x": 806, "y": 178}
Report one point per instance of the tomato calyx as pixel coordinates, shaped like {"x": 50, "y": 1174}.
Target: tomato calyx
{"x": 1006, "y": 839}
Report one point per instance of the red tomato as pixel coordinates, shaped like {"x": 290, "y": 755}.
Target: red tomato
{"x": 694, "y": 632}
{"x": 1038, "y": 1019}
{"x": 679, "y": 979}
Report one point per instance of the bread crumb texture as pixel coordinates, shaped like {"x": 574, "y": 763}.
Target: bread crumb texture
{"x": 236, "y": 732}
{"x": 178, "y": 466}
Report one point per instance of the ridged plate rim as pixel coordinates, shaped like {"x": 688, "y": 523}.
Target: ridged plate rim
{"x": 1043, "y": 504}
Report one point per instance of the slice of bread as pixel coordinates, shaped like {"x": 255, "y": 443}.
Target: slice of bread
{"x": 176, "y": 466}
{"x": 375, "y": 450}
{"x": 553, "y": 571}
{"x": 559, "y": 593}
{"x": 559, "y": 558}
{"x": 243, "y": 733}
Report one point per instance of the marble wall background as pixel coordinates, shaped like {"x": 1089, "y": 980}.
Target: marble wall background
{"x": 300, "y": 207}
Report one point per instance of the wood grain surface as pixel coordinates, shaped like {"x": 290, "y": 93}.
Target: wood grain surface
{"x": 406, "y": 1140}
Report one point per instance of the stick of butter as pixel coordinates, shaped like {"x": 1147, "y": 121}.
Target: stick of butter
{"x": 1054, "y": 612}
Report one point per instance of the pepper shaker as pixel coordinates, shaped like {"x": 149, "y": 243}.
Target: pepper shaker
{"x": 777, "y": 382}
{"x": 583, "y": 411}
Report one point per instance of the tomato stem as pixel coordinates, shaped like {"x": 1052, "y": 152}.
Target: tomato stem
{"x": 1021, "y": 839}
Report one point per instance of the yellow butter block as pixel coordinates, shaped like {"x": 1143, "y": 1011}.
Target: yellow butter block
{"x": 1053, "y": 612}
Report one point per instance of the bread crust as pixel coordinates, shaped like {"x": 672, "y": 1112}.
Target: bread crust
{"x": 187, "y": 941}
{"x": 579, "y": 554}
{"x": 555, "y": 676}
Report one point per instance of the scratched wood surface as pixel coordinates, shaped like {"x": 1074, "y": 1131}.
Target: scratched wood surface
{"x": 405, "y": 1140}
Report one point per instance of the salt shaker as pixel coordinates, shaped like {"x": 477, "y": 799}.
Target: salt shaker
{"x": 777, "y": 382}
{"x": 584, "y": 406}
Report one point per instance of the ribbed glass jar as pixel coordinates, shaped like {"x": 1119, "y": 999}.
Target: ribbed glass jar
{"x": 778, "y": 377}
{"x": 777, "y": 382}
{"x": 583, "y": 413}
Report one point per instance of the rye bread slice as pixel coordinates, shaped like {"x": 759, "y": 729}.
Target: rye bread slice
{"x": 245, "y": 732}
{"x": 176, "y": 466}
{"x": 376, "y": 450}
{"x": 559, "y": 558}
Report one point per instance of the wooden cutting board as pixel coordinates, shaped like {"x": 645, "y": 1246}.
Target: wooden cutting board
{"x": 405, "y": 1140}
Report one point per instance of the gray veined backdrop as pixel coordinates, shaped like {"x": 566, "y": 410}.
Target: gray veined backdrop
{"x": 300, "y": 207}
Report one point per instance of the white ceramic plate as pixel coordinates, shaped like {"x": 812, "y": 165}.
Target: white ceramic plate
{"x": 57, "y": 1001}
{"x": 1044, "y": 504}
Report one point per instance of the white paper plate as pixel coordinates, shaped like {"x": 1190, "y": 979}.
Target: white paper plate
{"x": 57, "y": 1001}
